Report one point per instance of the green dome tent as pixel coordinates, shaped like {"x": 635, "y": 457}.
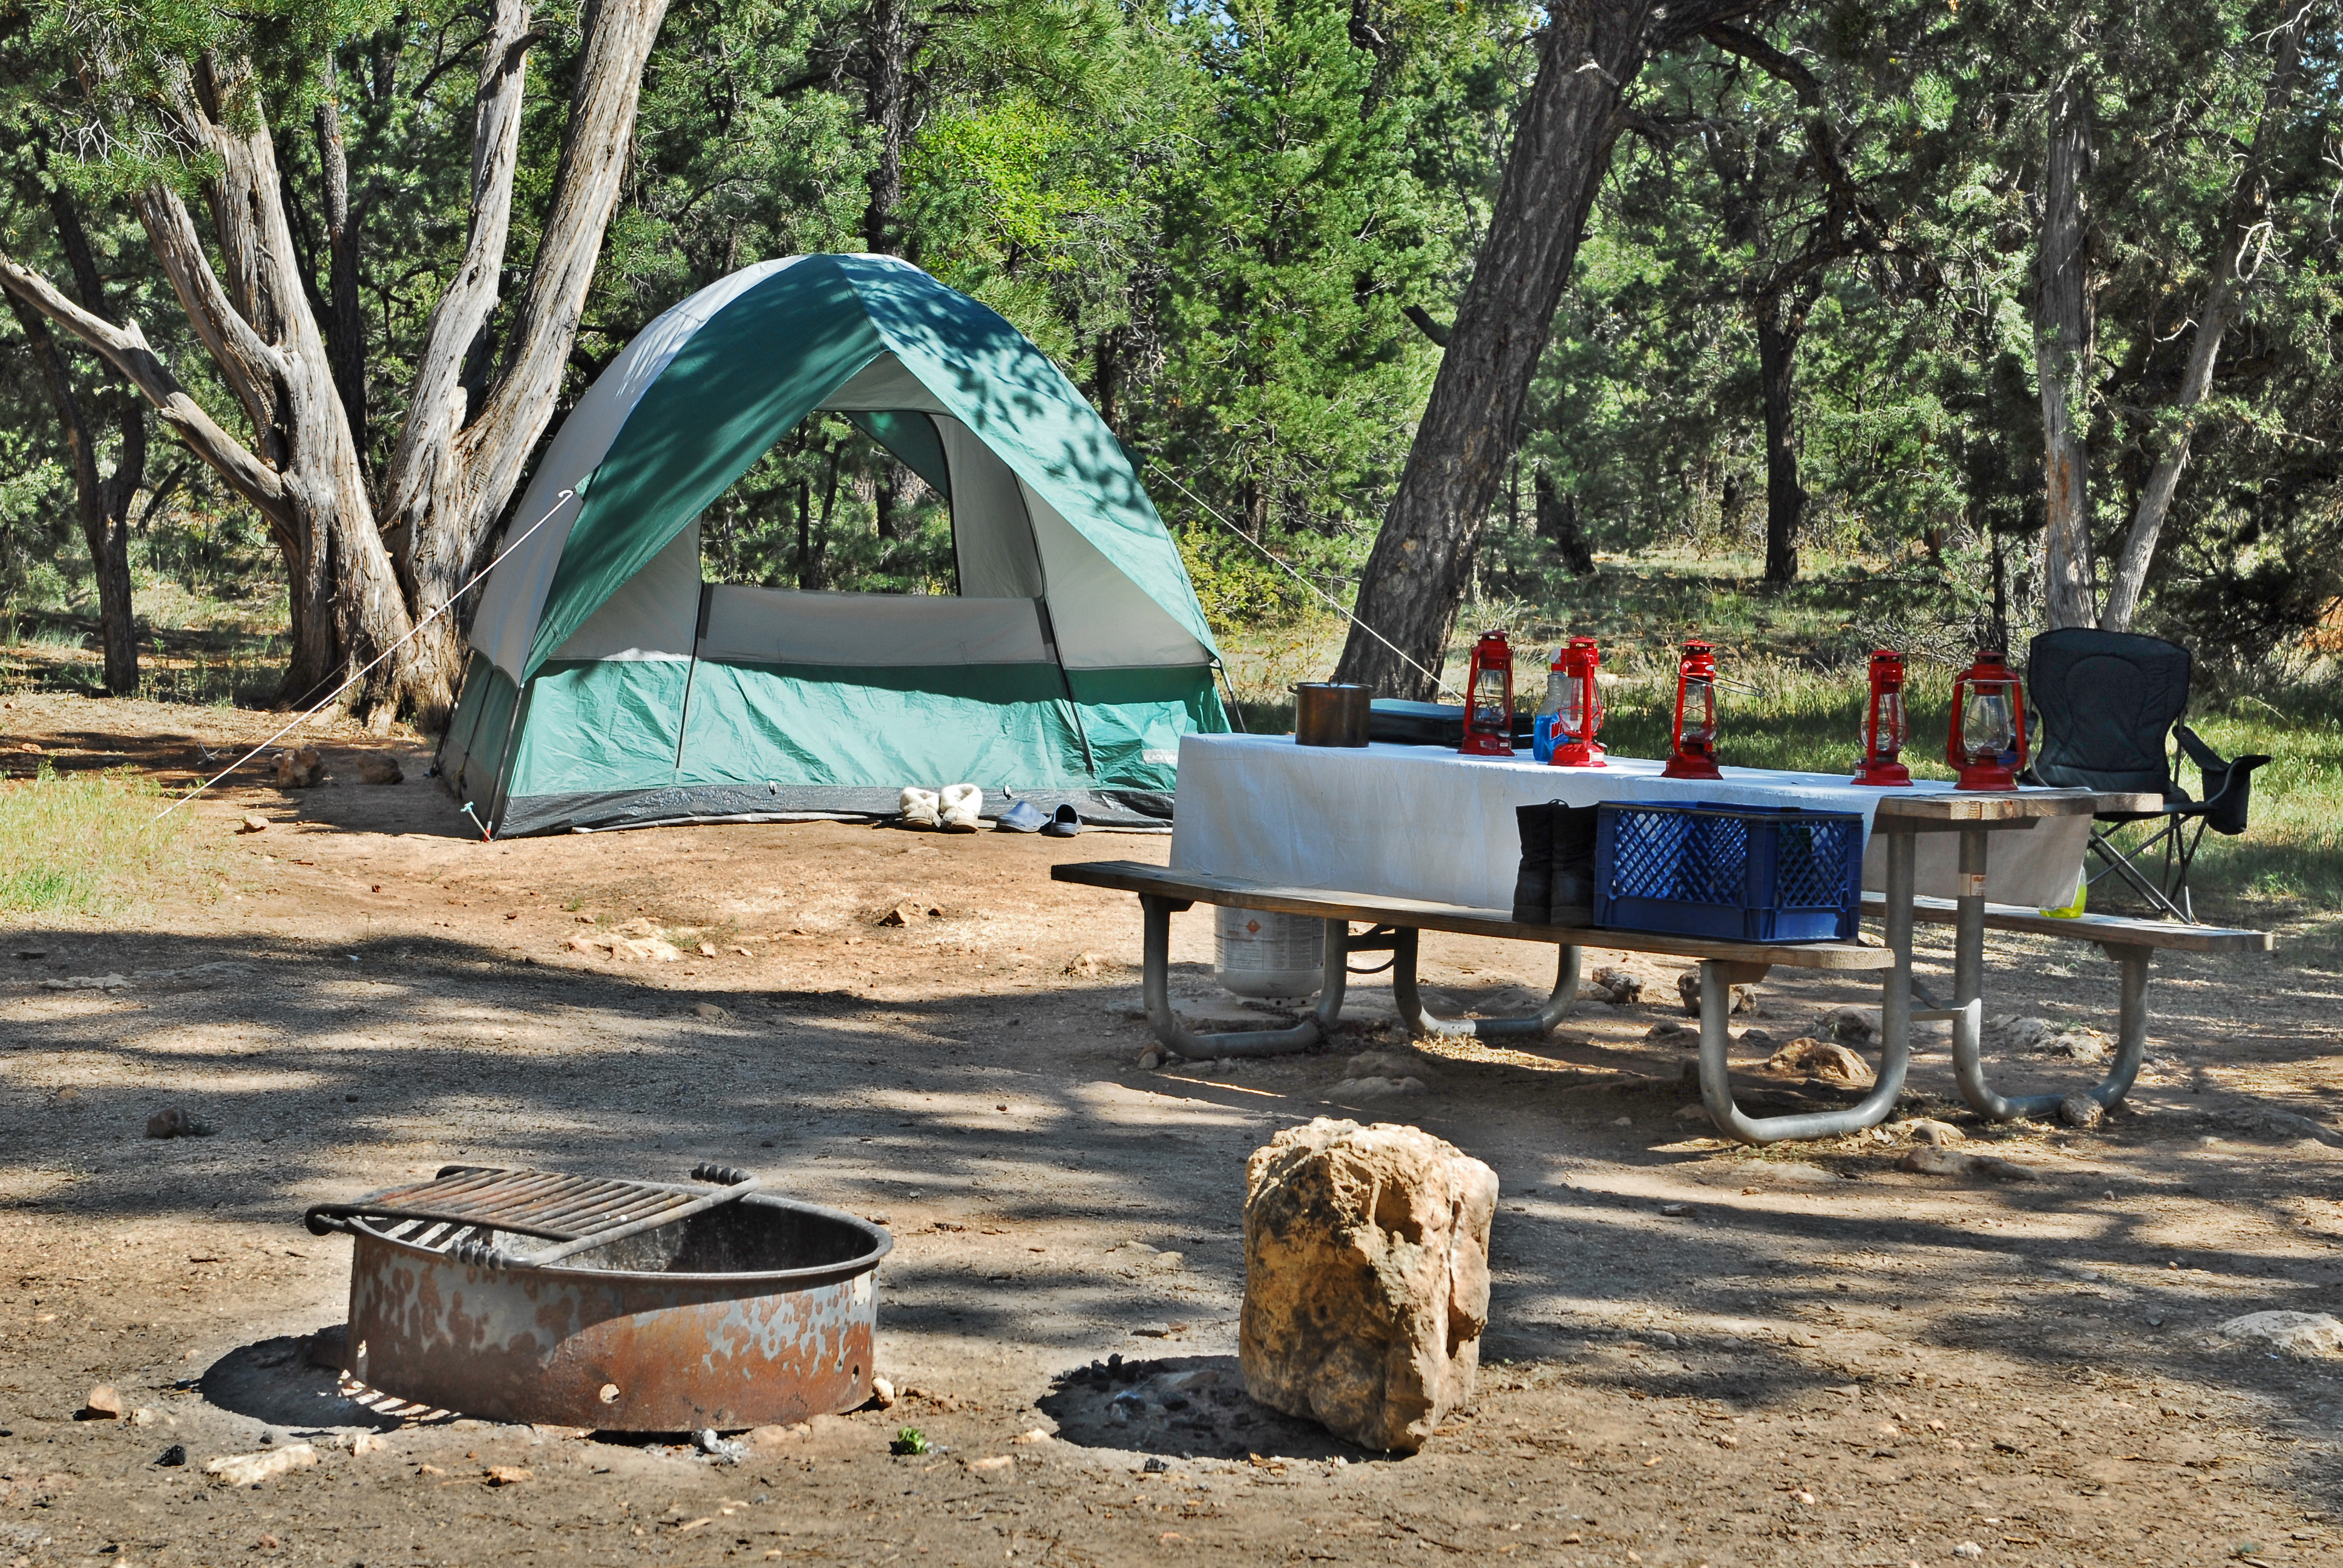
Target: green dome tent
{"x": 610, "y": 687}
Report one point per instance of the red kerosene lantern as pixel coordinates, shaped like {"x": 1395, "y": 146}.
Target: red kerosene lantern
{"x": 1883, "y": 725}
{"x": 1581, "y": 707}
{"x": 1695, "y": 756}
{"x": 1987, "y": 738}
{"x": 1489, "y": 698}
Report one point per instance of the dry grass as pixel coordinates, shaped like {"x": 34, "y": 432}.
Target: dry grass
{"x": 92, "y": 844}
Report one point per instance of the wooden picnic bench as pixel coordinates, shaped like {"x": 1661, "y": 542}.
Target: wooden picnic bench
{"x": 1395, "y": 923}
{"x": 1899, "y": 818}
{"x": 2133, "y": 944}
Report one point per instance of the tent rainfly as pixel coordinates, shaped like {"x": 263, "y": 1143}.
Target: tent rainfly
{"x": 610, "y": 687}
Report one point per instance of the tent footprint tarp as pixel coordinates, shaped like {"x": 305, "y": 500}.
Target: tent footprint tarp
{"x": 610, "y": 687}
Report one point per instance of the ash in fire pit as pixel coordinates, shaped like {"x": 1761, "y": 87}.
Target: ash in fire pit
{"x": 655, "y": 1307}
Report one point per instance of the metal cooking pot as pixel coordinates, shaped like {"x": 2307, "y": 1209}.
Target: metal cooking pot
{"x": 1330, "y": 713}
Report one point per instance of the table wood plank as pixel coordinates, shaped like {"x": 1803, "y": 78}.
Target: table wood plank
{"x": 1978, "y": 807}
{"x": 1132, "y": 876}
{"x": 2119, "y": 930}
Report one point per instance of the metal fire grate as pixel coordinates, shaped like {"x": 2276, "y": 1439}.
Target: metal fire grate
{"x": 455, "y": 1210}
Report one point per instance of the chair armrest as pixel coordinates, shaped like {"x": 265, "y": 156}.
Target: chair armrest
{"x": 2227, "y": 785}
{"x": 2207, "y": 761}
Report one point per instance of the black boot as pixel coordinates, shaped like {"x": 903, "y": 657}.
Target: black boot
{"x": 1534, "y": 888}
{"x": 1572, "y": 828}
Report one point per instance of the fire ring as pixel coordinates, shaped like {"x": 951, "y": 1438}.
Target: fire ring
{"x": 659, "y": 1308}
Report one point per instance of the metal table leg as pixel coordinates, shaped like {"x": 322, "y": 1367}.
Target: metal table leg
{"x": 1717, "y": 979}
{"x": 2131, "y": 1048}
{"x": 1535, "y": 1025}
{"x": 1156, "y": 986}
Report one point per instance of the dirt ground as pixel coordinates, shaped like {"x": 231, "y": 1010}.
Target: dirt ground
{"x": 1698, "y": 1353}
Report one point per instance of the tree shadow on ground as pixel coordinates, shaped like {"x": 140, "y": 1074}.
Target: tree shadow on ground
{"x": 923, "y": 1106}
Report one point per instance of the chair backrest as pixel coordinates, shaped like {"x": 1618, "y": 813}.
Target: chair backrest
{"x": 2107, "y": 701}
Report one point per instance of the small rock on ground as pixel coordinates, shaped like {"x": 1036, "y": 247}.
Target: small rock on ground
{"x": 1822, "y": 1058}
{"x": 1849, "y": 1025}
{"x": 173, "y": 1122}
{"x": 1745, "y": 996}
{"x": 1381, "y": 1088}
{"x": 1388, "y": 1064}
{"x": 1932, "y": 1161}
{"x": 298, "y": 768}
{"x": 2301, "y": 1336}
{"x": 252, "y": 1469}
{"x": 376, "y": 768}
{"x": 2080, "y": 1110}
{"x": 2014, "y": 1034}
{"x": 1614, "y": 985}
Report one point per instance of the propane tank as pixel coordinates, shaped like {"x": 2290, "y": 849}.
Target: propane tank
{"x": 1259, "y": 954}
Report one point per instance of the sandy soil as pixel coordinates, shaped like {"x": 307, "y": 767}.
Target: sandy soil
{"x": 1698, "y": 1355}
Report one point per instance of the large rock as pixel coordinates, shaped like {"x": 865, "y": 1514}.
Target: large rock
{"x": 1366, "y": 1278}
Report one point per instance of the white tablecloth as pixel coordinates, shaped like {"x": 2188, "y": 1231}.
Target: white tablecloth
{"x": 1422, "y": 822}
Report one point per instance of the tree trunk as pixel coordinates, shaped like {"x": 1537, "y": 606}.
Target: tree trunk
{"x": 103, "y": 506}
{"x": 1254, "y": 496}
{"x": 345, "y": 320}
{"x": 117, "y": 620}
{"x": 1780, "y": 325}
{"x": 103, "y": 509}
{"x": 457, "y": 465}
{"x": 258, "y": 322}
{"x": 2062, "y": 363}
{"x": 354, "y": 601}
{"x": 1422, "y": 558}
{"x": 888, "y": 45}
{"x": 1106, "y": 383}
{"x": 2246, "y": 215}
{"x": 885, "y": 487}
{"x": 809, "y": 578}
{"x": 1557, "y": 523}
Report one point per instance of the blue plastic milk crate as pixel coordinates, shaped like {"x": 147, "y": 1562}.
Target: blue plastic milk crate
{"x": 1738, "y": 873}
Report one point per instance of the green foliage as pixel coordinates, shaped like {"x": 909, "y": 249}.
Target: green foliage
{"x": 1216, "y": 220}
{"x": 1920, "y": 422}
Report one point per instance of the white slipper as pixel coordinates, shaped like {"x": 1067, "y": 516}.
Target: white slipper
{"x": 919, "y": 807}
{"x": 961, "y": 804}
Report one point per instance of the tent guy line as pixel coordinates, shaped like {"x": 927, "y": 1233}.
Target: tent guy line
{"x": 559, "y": 501}
{"x": 1273, "y": 560}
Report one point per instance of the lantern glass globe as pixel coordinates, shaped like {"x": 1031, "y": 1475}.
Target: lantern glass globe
{"x": 1988, "y": 729}
{"x": 1883, "y": 736}
{"x": 1699, "y": 711}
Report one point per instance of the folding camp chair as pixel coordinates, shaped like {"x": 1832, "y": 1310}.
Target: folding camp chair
{"x": 2105, "y": 702}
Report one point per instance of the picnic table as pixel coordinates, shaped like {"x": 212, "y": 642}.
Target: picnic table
{"x": 1406, "y": 839}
